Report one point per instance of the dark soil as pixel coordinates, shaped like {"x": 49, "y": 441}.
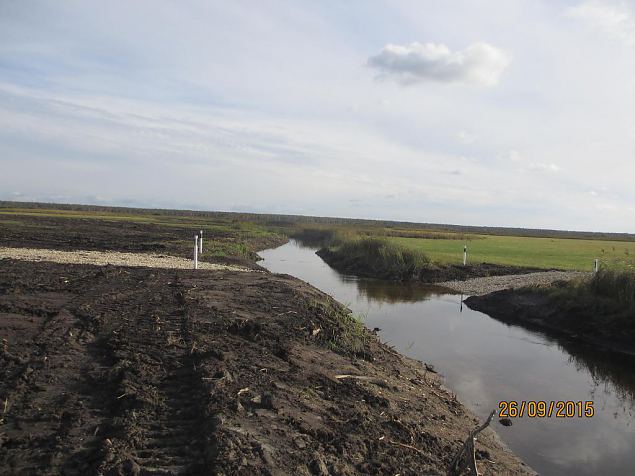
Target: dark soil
{"x": 433, "y": 273}
{"x": 68, "y": 233}
{"x": 555, "y": 310}
{"x": 118, "y": 370}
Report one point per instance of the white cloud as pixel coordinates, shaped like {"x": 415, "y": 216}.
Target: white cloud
{"x": 466, "y": 137}
{"x": 514, "y": 156}
{"x": 165, "y": 113}
{"x": 540, "y": 167}
{"x": 614, "y": 19}
{"x": 479, "y": 63}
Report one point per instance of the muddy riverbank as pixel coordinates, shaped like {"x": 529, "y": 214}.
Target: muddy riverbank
{"x": 599, "y": 323}
{"x": 122, "y": 370}
{"x": 486, "y": 361}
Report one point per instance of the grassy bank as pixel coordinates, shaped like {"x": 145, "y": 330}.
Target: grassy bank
{"x": 445, "y": 248}
{"x": 375, "y": 257}
{"x": 546, "y": 253}
{"x": 619, "y": 287}
{"x": 241, "y": 235}
{"x": 383, "y": 258}
{"x": 599, "y": 310}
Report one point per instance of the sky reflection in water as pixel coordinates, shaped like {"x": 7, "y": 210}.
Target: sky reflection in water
{"x": 485, "y": 361}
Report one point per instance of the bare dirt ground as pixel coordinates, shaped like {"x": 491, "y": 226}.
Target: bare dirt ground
{"x": 490, "y": 284}
{"x": 115, "y": 258}
{"x": 132, "y": 370}
{"x": 123, "y": 370}
{"x": 128, "y": 236}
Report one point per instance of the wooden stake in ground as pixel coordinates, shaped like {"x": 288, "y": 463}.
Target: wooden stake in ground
{"x": 196, "y": 252}
{"x": 200, "y": 243}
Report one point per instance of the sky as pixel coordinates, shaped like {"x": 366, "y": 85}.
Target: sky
{"x": 513, "y": 113}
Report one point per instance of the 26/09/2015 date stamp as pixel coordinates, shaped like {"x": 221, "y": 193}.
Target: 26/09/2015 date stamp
{"x": 546, "y": 409}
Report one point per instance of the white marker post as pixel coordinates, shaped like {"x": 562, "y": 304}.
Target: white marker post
{"x": 200, "y": 243}
{"x": 596, "y": 265}
{"x": 196, "y": 252}
{"x": 465, "y": 255}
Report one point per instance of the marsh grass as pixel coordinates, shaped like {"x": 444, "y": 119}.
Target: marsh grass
{"x": 341, "y": 330}
{"x": 618, "y": 286}
{"x": 607, "y": 287}
{"x": 599, "y": 306}
{"x": 353, "y": 334}
{"x": 446, "y": 248}
{"x": 378, "y": 257}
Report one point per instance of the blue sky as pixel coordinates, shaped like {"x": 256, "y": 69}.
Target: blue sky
{"x": 508, "y": 112}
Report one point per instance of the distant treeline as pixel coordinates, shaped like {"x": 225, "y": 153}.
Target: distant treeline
{"x": 294, "y": 220}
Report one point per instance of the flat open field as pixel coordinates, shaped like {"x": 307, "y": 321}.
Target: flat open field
{"x": 139, "y": 370}
{"x": 235, "y": 238}
{"x": 226, "y": 239}
{"x": 547, "y": 253}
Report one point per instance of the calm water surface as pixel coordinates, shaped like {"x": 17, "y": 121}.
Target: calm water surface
{"x": 485, "y": 361}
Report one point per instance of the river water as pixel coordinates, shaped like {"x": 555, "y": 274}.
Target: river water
{"x": 485, "y": 361}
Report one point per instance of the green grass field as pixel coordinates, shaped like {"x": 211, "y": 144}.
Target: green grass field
{"x": 239, "y": 234}
{"x": 570, "y": 254}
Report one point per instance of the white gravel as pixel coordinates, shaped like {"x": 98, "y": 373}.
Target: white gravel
{"x": 116, "y": 258}
{"x": 490, "y": 284}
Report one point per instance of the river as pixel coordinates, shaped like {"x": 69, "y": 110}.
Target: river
{"x": 485, "y": 361}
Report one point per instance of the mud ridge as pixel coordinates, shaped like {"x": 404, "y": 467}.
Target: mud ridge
{"x": 132, "y": 371}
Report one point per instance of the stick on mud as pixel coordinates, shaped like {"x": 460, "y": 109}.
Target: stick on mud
{"x": 466, "y": 457}
{"x": 4, "y": 411}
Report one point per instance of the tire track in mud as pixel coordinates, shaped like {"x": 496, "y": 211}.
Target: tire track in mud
{"x": 159, "y": 372}
{"x": 161, "y": 428}
{"x": 50, "y": 405}
{"x": 107, "y": 382}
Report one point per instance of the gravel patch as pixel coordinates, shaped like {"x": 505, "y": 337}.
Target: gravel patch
{"x": 490, "y": 284}
{"x": 115, "y": 258}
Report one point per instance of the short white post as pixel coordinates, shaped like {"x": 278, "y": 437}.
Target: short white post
{"x": 200, "y": 243}
{"x": 465, "y": 255}
{"x": 196, "y": 252}
{"x": 596, "y": 265}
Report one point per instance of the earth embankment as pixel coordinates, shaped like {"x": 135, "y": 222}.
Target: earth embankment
{"x": 133, "y": 370}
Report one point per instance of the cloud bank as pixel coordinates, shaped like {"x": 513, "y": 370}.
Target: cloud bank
{"x": 616, "y": 20}
{"x": 479, "y": 63}
{"x": 161, "y": 111}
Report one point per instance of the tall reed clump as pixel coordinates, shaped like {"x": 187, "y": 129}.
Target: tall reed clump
{"x": 616, "y": 285}
{"x": 380, "y": 257}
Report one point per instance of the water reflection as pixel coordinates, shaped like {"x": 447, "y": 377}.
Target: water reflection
{"x": 611, "y": 374}
{"x": 388, "y": 292}
{"x": 485, "y": 361}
